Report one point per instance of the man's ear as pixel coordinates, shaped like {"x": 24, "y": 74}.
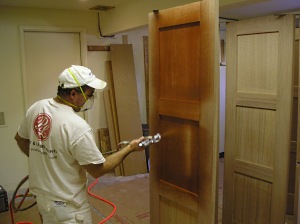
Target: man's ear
{"x": 73, "y": 93}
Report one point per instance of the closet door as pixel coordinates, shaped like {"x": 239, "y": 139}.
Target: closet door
{"x": 184, "y": 84}
{"x": 46, "y": 52}
{"x": 258, "y": 119}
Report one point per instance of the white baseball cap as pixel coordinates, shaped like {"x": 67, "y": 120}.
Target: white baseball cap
{"x": 78, "y": 75}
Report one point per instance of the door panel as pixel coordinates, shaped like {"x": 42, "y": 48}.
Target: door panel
{"x": 258, "y": 119}
{"x": 184, "y": 84}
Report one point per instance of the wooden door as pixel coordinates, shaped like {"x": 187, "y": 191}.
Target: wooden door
{"x": 184, "y": 92}
{"x": 258, "y": 119}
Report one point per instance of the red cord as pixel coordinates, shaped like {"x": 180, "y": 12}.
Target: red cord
{"x": 11, "y": 209}
{"x": 11, "y": 212}
{"x": 90, "y": 193}
{"x": 102, "y": 199}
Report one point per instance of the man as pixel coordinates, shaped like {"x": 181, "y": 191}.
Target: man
{"x": 61, "y": 147}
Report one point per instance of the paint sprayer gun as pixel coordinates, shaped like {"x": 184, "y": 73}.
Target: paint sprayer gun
{"x": 150, "y": 140}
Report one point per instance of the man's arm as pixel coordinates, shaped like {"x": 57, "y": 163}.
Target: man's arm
{"x": 112, "y": 161}
{"x": 23, "y": 144}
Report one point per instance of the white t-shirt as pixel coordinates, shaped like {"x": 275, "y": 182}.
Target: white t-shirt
{"x": 60, "y": 141}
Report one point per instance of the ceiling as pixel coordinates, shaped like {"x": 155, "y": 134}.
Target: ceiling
{"x": 235, "y": 9}
{"x": 260, "y": 8}
{"x": 61, "y": 4}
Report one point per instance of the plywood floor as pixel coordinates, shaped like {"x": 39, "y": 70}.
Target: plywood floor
{"x": 129, "y": 194}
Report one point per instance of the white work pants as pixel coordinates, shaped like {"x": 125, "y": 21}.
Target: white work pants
{"x": 54, "y": 212}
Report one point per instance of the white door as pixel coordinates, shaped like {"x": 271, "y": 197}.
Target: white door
{"x": 45, "y": 54}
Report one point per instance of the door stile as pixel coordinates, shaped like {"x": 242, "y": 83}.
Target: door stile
{"x": 284, "y": 119}
{"x": 209, "y": 112}
{"x": 153, "y": 110}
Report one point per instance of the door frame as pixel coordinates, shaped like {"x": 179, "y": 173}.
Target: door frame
{"x": 24, "y": 29}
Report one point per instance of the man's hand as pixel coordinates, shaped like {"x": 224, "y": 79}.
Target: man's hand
{"x": 113, "y": 160}
{"x": 134, "y": 144}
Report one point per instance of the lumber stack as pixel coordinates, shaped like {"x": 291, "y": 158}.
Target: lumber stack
{"x": 122, "y": 107}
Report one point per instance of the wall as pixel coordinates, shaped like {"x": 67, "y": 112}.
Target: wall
{"x": 135, "y": 37}
{"x": 13, "y": 164}
{"x": 222, "y": 108}
{"x": 222, "y": 94}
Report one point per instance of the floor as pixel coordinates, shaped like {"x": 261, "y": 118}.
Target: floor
{"x": 132, "y": 206}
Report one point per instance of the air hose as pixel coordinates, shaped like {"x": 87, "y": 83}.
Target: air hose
{"x": 102, "y": 199}
{"x": 13, "y": 208}
{"x": 23, "y": 197}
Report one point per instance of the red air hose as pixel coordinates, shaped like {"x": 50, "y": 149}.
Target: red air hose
{"x": 11, "y": 209}
{"x": 12, "y": 205}
{"x": 102, "y": 199}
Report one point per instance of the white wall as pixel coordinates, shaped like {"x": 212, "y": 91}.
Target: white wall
{"x": 13, "y": 164}
{"x": 222, "y": 97}
{"x": 222, "y": 108}
{"x": 135, "y": 38}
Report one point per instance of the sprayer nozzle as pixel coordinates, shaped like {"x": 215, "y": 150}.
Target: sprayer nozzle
{"x": 150, "y": 140}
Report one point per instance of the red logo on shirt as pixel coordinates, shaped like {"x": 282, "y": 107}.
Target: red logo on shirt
{"x": 42, "y": 126}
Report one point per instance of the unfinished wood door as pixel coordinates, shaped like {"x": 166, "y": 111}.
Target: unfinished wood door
{"x": 258, "y": 119}
{"x": 184, "y": 85}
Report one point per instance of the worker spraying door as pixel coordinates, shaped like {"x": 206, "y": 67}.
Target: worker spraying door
{"x": 18, "y": 206}
{"x": 61, "y": 148}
